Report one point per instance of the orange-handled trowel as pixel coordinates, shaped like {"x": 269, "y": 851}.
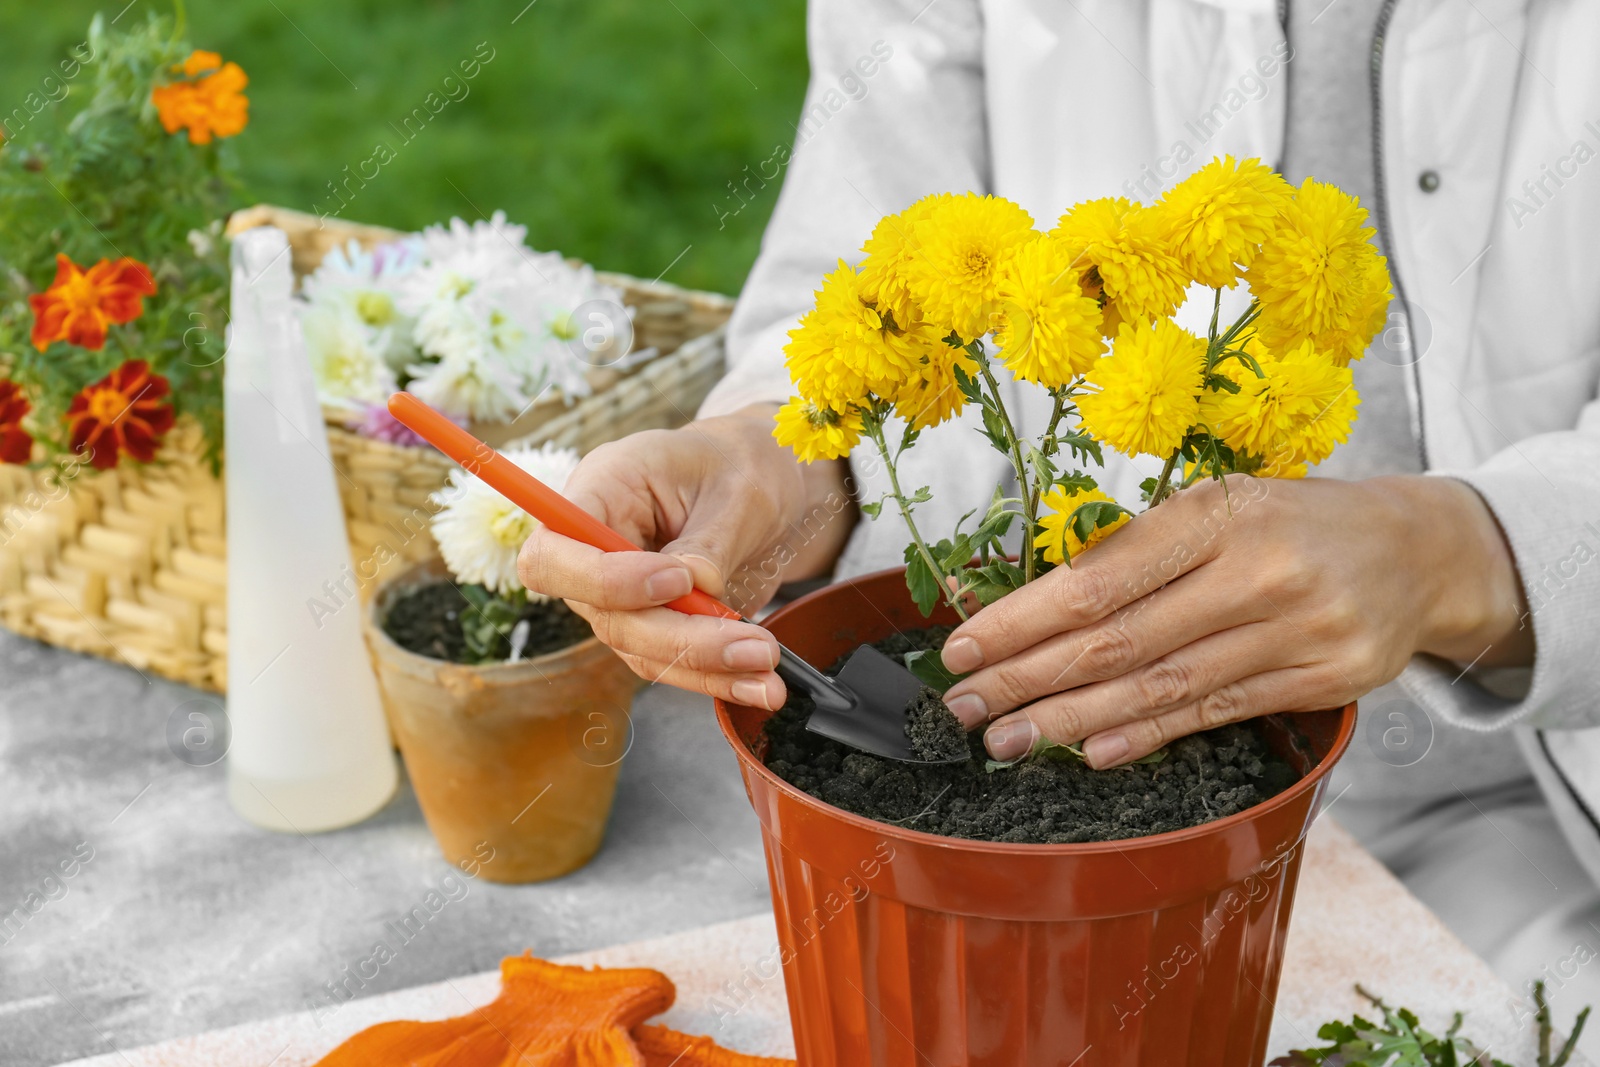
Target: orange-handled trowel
{"x": 864, "y": 707}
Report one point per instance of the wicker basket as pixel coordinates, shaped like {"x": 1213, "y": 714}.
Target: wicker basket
{"x": 131, "y": 563}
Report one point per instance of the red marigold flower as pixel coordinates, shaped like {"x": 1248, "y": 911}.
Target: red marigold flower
{"x": 126, "y": 411}
{"x": 210, "y": 106}
{"x": 16, "y": 444}
{"x": 80, "y": 304}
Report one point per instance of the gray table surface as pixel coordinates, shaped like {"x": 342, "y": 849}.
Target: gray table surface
{"x": 187, "y": 918}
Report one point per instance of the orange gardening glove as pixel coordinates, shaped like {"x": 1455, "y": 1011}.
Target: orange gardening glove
{"x": 546, "y": 1015}
{"x": 668, "y": 1048}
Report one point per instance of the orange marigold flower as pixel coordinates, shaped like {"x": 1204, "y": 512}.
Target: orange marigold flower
{"x": 200, "y": 61}
{"x": 212, "y": 105}
{"x": 80, "y": 304}
{"x": 16, "y": 444}
{"x": 126, "y": 411}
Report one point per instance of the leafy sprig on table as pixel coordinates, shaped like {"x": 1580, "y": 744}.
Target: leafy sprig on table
{"x": 1400, "y": 1041}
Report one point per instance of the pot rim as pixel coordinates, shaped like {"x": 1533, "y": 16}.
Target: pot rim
{"x": 1307, "y": 782}
{"x": 434, "y": 565}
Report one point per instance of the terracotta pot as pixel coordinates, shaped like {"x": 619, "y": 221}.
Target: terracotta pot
{"x": 514, "y": 764}
{"x": 907, "y": 949}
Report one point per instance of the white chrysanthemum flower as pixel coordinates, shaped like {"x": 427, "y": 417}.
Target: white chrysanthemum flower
{"x": 480, "y": 322}
{"x": 459, "y": 240}
{"x": 346, "y": 354}
{"x": 480, "y": 532}
{"x": 370, "y": 284}
{"x": 448, "y": 328}
{"x": 470, "y": 383}
{"x": 353, "y": 267}
{"x": 573, "y": 324}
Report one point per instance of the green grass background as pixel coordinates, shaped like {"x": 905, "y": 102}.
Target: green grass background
{"x": 611, "y": 128}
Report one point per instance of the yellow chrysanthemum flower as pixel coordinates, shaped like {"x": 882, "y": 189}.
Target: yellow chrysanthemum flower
{"x": 891, "y": 246}
{"x": 1216, "y": 219}
{"x": 962, "y": 242}
{"x": 843, "y": 350}
{"x": 1293, "y": 415}
{"x": 1146, "y": 393}
{"x": 1048, "y": 328}
{"x": 934, "y": 395}
{"x": 814, "y": 432}
{"x": 1128, "y": 258}
{"x": 1319, "y": 277}
{"x": 1056, "y": 536}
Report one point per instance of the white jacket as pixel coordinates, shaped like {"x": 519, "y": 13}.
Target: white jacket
{"x": 1051, "y": 102}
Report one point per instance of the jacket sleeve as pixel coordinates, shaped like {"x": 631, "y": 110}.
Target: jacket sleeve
{"x": 894, "y": 111}
{"x": 1545, "y": 493}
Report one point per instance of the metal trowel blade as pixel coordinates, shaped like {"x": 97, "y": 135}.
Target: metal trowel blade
{"x": 870, "y": 713}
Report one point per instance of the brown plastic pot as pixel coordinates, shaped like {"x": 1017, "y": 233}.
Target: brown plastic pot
{"x": 908, "y": 949}
{"x": 514, "y": 764}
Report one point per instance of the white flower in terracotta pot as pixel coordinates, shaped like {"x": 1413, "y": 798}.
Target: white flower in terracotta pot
{"x": 480, "y": 532}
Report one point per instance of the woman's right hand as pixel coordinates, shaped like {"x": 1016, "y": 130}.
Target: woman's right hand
{"x": 718, "y": 505}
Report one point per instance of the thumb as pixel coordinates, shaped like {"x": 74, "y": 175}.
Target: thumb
{"x": 712, "y": 544}
{"x": 706, "y": 559}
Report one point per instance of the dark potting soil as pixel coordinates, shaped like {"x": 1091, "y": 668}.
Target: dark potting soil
{"x": 934, "y": 731}
{"x": 1039, "y": 800}
{"x": 427, "y": 621}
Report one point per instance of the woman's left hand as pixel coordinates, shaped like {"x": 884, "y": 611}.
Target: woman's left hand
{"x": 1281, "y": 596}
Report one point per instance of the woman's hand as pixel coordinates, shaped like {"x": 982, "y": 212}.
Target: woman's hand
{"x": 718, "y": 505}
{"x": 1304, "y": 595}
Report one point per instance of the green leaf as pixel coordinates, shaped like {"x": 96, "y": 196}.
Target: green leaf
{"x": 993, "y": 580}
{"x": 1044, "y": 469}
{"x": 969, "y": 386}
{"x": 1056, "y": 752}
{"x": 994, "y": 428}
{"x": 1400, "y": 1041}
{"x": 1076, "y": 482}
{"x": 930, "y": 670}
{"x": 1089, "y": 517}
{"x": 922, "y": 582}
{"x": 921, "y": 496}
{"x": 954, "y": 555}
{"x": 486, "y": 624}
{"x": 1147, "y": 489}
{"x": 1083, "y": 446}
{"x": 997, "y": 520}
{"x": 1042, "y": 749}
{"x": 873, "y": 509}
{"x": 1222, "y": 382}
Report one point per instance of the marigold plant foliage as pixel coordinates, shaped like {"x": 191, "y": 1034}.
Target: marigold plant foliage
{"x": 957, "y": 291}
{"x": 113, "y": 273}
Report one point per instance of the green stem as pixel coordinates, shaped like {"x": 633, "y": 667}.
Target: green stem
{"x": 874, "y": 427}
{"x": 1219, "y": 345}
{"x": 1162, "y": 490}
{"x": 1048, "y": 445}
{"x": 1030, "y": 503}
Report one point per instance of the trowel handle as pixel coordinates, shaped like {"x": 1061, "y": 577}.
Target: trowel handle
{"x": 530, "y": 494}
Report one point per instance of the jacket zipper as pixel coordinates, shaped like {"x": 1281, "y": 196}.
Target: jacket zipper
{"x": 1385, "y": 229}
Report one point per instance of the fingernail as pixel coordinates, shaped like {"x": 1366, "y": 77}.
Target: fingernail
{"x": 962, "y": 655}
{"x": 751, "y": 693}
{"x": 1011, "y": 740}
{"x": 669, "y": 584}
{"x": 748, "y": 654}
{"x": 1105, "y": 750}
{"x": 969, "y": 708}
